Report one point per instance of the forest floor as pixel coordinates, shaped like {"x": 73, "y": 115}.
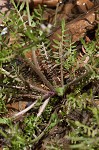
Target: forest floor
{"x": 49, "y": 75}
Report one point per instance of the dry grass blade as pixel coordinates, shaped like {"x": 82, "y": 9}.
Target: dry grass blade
{"x": 24, "y": 111}
{"x": 42, "y": 108}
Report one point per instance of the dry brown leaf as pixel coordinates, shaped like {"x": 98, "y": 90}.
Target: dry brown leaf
{"x": 84, "y": 5}
{"x": 4, "y": 7}
{"x": 42, "y": 2}
{"x": 17, "y": 106}
{"x": 79, "y": 26}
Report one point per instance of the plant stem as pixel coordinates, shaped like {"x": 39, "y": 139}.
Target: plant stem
{"x": 31, "y": 86}
{"x": 29, "y": 20}
{"x": 31, "y": 96}
{"x": 40, "y": 74}
{"x": 37, "y": 88}
{"x": 61, "y": 65}
{"x": 18, "y": 13}
{"x": 75, "y": 81}
{"x": 13, "y": 86}
{"x": 46, "y": 97}
{"x": 9, "y": 74}
{"x": 28, "y": 12}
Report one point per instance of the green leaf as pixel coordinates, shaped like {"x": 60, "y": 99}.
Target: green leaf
{"x": 36, "y": 12}
{"x": 22, "y": 6}
{"x": 56, "y": 42}
{"x": 57, "y": 47}
{"x": 60, "y": 91}
{"x": 4, "y": 121}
